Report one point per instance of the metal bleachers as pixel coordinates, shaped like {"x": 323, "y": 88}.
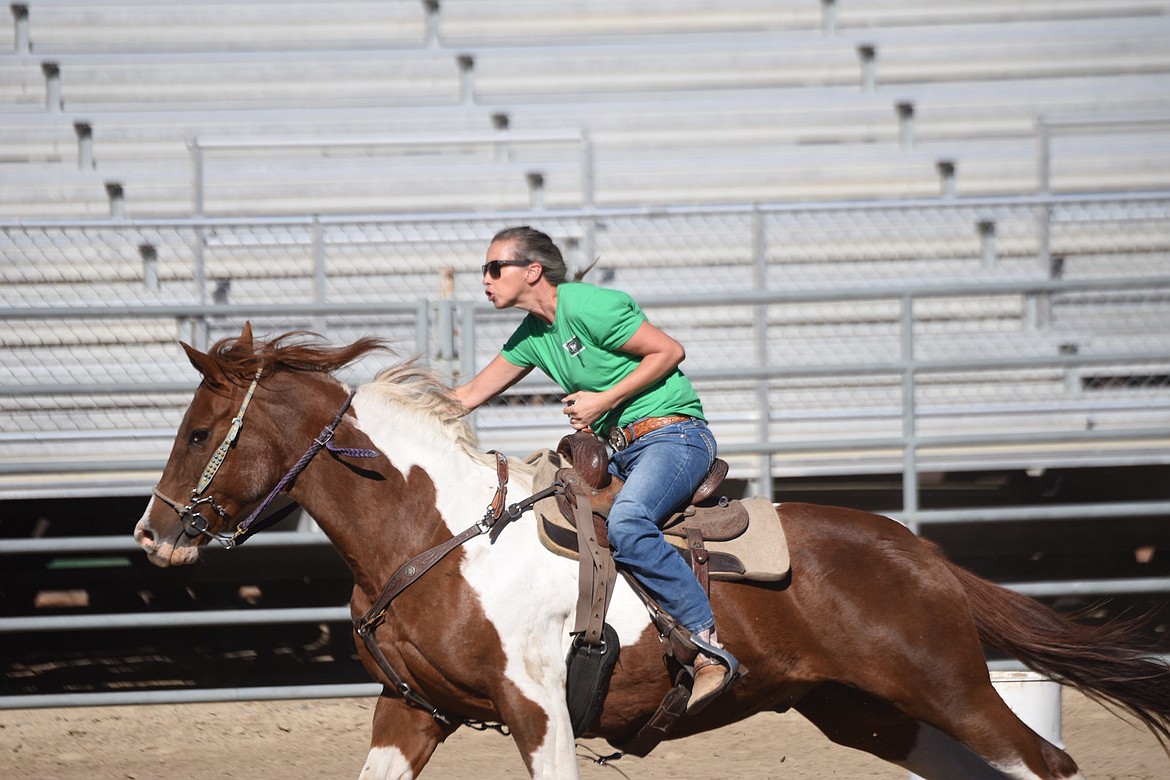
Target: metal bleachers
{"x": 766, "y": 101}
{"x": 128, "y": 114}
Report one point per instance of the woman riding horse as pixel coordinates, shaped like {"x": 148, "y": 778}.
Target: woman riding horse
{"x": 622, "y": 379}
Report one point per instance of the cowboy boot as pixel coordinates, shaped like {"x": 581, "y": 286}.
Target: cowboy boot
{"x": 715, "y": 670}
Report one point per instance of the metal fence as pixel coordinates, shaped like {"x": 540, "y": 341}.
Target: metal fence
{"x": 844, "y": 336}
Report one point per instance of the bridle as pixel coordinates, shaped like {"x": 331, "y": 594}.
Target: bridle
{"x": 196, "y": 524}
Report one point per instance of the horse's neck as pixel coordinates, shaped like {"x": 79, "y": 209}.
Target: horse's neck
{"x": 425, "y": 490}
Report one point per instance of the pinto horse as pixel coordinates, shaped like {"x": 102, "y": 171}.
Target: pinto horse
{"x": 875, "y": 637}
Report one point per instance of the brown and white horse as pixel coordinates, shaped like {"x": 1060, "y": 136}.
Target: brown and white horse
{"x": 875, "y": 638}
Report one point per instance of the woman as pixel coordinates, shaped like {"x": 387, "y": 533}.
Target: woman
{"x": 622, "y": 381}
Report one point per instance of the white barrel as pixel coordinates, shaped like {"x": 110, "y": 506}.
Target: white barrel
{"x": 1034, "y": 699}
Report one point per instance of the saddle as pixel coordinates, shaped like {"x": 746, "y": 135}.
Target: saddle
{"x": 721, "y": 539}
{"x": 728, "y": 539}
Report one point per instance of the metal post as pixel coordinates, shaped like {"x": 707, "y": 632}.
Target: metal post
{"x": 501, "y": 122}
{"x": 466, "y": 78}
{"x": 84, "y": 133}
{"x": 905, "y": 112}
{"x": 946, "y": 178}
{"x": 117, "y": 196}
{"x": 1038, "y": 305}
{"x": 868, "y": 54}
{"x": 829, "y": 17}
{"x": 422, "y": 332}
{"x": 909, "y": 413}
{"x": 986, "y": 228}
{"x": 587, "y": 193}
{"x": 1043, "y": 150}
{"x": 52, "y": 73}
{"x": 763, "y": 485}
{"x": 20, "y": 21}
{"x": 535, "y": 190}
{"x": 199, "y": 333}
{"x": 1043, "y": 184}
{"x": 149, "y": 266}
{"x": 466, "y": 340}
{"x": 445, "y": 306}
{"x": 431, "y": 7}
{"x": 320, "y": 282}
{"x": 196, "y": 177}
{"x": 589, "y": 239}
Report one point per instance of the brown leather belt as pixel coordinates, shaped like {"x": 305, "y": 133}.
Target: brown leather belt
{"x": 622, "y": 437}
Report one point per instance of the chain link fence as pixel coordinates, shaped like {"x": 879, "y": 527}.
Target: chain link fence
{"x": 830, "y": 333}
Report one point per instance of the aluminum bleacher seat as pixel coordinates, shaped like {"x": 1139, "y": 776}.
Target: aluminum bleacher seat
{"x": 256, "y": 79}
{"x": 96, "y": 26}
{"x": 478, "y": 22}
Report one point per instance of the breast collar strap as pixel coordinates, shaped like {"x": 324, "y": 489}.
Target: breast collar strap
{"x": 495, "y": 518}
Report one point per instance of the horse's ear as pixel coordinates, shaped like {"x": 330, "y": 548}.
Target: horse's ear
{"x": 244, "y": 342}
{"x": 203, "y": 363}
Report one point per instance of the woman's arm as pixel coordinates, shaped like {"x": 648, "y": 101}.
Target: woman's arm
{"x": 496, "y": 377}
{"x": 660, "y": 355}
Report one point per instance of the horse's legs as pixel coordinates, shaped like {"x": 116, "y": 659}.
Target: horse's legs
{"x": 402, "y": 740}
{"x": 541, "y": 729}
{"x": 984, "y": 741}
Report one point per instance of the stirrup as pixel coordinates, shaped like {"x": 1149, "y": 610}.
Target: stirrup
{"x": 716, "y": 656}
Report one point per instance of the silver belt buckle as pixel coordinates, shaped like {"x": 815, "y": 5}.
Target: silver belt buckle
{"x": 618, "y": 439}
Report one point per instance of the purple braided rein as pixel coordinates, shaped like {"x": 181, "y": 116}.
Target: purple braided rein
{"x": 323, "y": 441}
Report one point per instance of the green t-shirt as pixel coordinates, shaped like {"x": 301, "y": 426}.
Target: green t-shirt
{"x": 580, "y": 350}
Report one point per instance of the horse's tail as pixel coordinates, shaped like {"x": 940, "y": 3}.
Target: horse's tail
{"x": 1104, "y": 662}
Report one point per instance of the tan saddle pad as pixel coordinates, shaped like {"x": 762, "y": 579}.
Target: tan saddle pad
{"x": 760, "y": 554}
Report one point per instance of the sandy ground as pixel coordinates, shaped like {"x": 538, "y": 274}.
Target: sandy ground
{"x": 328, "y": 738}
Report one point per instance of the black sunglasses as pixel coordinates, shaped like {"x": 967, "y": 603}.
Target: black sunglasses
{"x": 492, "y": 269}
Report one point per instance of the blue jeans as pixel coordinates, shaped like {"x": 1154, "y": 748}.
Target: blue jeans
{"x": 661, "y": 470}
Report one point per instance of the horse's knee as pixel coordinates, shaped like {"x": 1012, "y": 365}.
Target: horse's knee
{"x": 402, "y": 741}
{"x": 386, "y": 763}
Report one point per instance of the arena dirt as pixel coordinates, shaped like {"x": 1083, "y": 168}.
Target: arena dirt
{"x": 328, "y": 738}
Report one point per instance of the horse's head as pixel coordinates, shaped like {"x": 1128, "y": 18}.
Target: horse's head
{"x": 240, "y": 435}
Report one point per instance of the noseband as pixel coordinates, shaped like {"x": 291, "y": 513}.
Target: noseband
{"x": 196, "y": 524}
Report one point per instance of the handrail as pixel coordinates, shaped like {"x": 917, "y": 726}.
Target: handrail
{"x": 606, "y": 212}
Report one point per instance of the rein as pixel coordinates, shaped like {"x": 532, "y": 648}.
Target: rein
{"x": 495, "y": 517}
{"x": 195, "y": 524}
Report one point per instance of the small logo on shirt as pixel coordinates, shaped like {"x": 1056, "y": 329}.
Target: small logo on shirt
{"x": 574, "y": 346}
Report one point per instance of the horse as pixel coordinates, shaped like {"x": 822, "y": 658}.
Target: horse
{"x": 875, "y": 636}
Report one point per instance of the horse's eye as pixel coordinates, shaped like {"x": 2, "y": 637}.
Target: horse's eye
{"x": 200, "y": 436}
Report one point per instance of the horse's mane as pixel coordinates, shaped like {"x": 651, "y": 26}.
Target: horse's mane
{"x": 293, "y": 351}
{"x": 416, "y": 386}
{"x": 409, "y": 383}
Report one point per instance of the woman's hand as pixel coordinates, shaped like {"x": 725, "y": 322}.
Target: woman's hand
{"x": 584, "y": 408}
